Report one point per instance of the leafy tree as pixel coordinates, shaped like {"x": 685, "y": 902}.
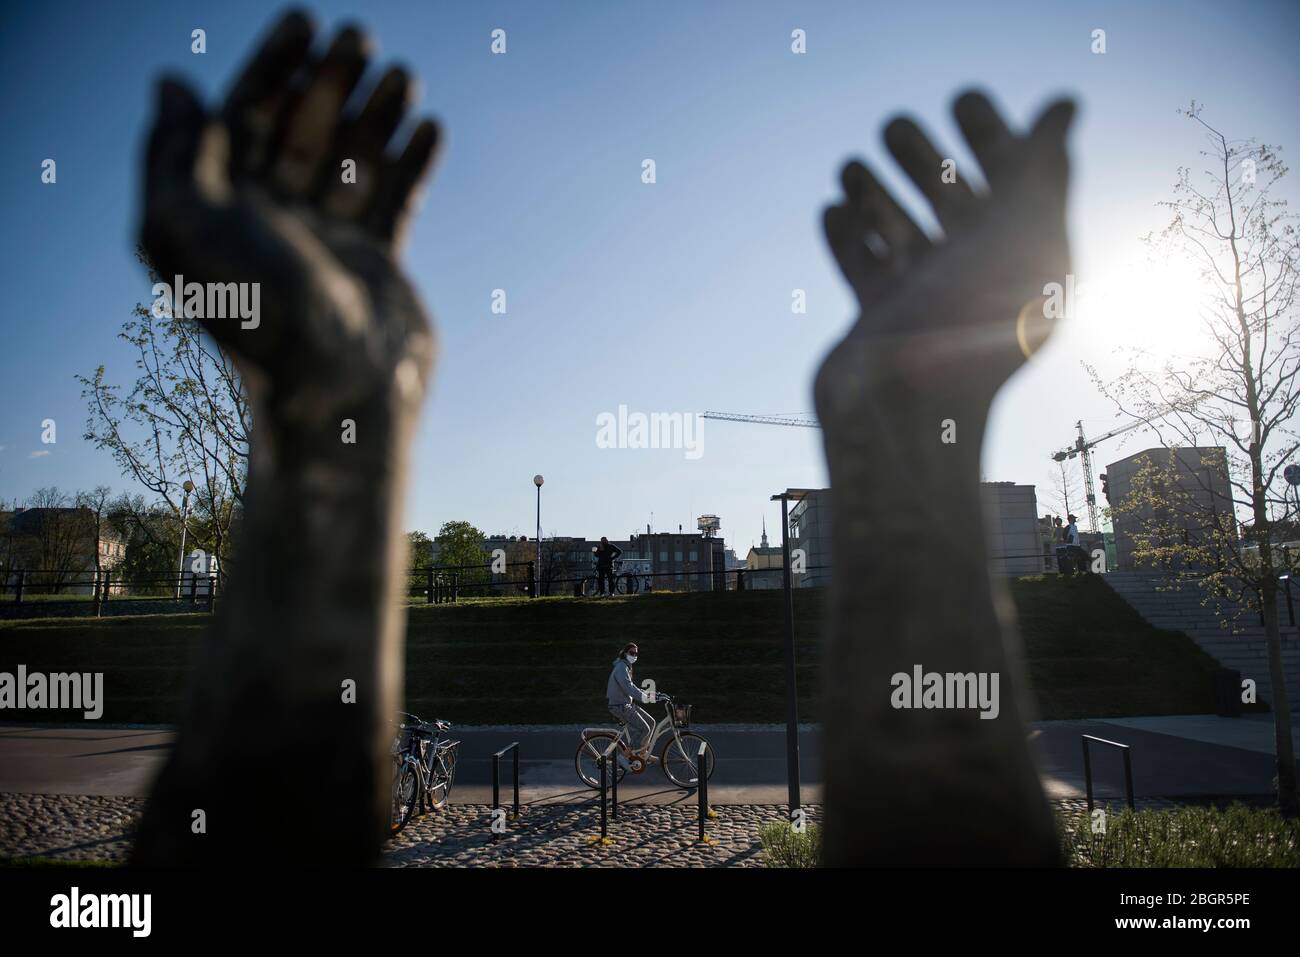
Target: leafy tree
{"x": 421, "y": 549}
{"x": 460, "y": 543}
{"x": 152, "y": 534}
{"x": 186, "y": 416}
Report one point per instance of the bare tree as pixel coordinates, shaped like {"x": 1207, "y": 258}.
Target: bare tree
{"x": 186, "y": 417}
{"x": 1241, "y": 393}
{"x": 1065, "y": 488}
{"x": 556, "y": 568}
{"x": 97, "y": 502}
{"x": 55, "y": 533}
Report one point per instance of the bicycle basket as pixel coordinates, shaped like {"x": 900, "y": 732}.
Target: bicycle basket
{"x": 682, "y": 715}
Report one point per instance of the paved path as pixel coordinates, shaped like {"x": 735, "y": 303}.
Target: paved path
{"x": 750, "y": 767}
{"x": 76, "y": 793}
{"x": 1181, "y": 756}
{"x": 1177, "y": 757}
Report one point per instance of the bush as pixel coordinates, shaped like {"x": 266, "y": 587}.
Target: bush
{"x": 1186, "y": 837}
{"x": 786, "y": 847}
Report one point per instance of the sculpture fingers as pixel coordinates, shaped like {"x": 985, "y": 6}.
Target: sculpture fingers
{"x": 997, "y": 149}
{"x": 901, "y": 240}
{"x": 310, "y": 122}
{"x": 350, "y": 180}
{"x": 260, "y": 94}
{"x": 400, "y": 183}
{"x": 935, "y": 176}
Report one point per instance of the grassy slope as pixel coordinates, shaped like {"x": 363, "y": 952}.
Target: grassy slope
{"x": 544, "y": 661}
{"x": 1089, "y": 654}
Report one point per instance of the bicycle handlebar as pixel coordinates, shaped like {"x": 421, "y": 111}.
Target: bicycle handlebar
{"x": 437, "y": 724}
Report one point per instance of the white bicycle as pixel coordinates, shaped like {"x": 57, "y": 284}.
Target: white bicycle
{"x": 679, "y": 756}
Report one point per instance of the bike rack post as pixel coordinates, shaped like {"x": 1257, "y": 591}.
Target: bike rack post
{"x": 496, "y": 777}
{"x": 613, "y": 788}
{"x": 604, "y": 824}
{"x": 702, "y": 778}
{"x": 1128, "y": 768}
{"x": 611, "y": 755}
{"x": 604, "y": 761}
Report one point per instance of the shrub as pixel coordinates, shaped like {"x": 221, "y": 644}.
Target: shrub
{"x": 786, "y": 847}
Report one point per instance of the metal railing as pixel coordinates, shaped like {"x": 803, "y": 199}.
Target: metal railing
{"x": 1128, "y": 767}
{"x": 702, "y": 791}
{"x": 96, "y": 589}
{"x": 436, "y": 584}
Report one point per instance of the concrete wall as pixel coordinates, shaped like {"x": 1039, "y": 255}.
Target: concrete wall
{"x": 1011, "y": 517}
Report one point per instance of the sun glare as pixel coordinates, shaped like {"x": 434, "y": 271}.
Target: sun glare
{"x": 1159, "y": 306}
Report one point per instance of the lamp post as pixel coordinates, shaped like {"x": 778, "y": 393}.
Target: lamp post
{"x": 537, "y": 567}
{"x": 791, "y": 687}
{"x": 188, "y": 486}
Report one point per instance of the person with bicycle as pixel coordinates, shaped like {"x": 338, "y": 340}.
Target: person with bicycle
{"x": 605, "y": 555}
{"x": 623, "y": 695}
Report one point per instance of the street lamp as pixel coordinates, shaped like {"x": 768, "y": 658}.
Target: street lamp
{"x": 537, "y": 567}
{"x": 188, "y": 486}
{"x": 791, "y": 687}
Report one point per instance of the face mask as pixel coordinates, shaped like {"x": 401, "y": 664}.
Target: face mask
{"x": 631, "y": 659}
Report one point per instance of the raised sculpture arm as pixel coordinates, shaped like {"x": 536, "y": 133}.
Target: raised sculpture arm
{"x": 269, "y": 747}
{"x": 944, "y": 323}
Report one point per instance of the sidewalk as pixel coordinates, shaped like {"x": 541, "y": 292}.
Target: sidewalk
{"x": 1176, "y": 756}
{"x": 1183, "y": 756}
{"x": 76, "y": 793}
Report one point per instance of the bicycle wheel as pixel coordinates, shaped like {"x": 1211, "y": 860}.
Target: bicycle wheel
{"x": 586, "y": 761}
{"x": 444, "y": 774}
{"x": 680, "y": 761}
{"x": 406, "y": 794}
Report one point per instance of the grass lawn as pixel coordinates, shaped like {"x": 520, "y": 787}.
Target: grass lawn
{"x": 1187, "y": 837}
{"x": 546, "y": 660}
{"x": 1235, "y": 837}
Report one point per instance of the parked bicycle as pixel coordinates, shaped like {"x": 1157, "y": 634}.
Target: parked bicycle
{"x": 631, "y": 576}
{"x": 679, "y": 756}
{"x": 424, "y": 767}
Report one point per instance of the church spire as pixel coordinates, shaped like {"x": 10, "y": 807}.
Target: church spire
{"x": 764, "y": 544}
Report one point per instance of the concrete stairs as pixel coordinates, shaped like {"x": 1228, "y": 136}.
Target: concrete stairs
{"x": 1241, "y": 648}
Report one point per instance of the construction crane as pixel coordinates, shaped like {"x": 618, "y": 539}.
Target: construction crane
{"x": 792, "y": 420}
{"x": 1083, "y": 449}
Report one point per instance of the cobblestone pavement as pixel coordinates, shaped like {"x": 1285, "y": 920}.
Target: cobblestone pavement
{"x": 76, "y": 827}
{"x": 70, "y": 827}
{"x": 562, "y": 835}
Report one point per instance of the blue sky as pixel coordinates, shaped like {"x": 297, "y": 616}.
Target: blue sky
{"x": 673, "y": 297}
